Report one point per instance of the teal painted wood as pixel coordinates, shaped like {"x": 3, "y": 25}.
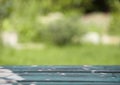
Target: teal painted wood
{"x": 60, "y": 75}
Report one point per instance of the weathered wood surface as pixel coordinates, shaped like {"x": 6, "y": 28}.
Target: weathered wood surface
{"x": 60, "y": 75}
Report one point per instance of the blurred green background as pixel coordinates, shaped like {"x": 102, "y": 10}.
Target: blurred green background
{"x": 59, "y": 32}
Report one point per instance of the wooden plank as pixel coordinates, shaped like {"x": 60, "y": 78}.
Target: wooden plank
{"x": 75, "y": 69}
{"x": 60, "y": 75}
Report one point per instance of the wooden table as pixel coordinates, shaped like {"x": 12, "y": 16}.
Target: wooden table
{"x": 60, "y": 75}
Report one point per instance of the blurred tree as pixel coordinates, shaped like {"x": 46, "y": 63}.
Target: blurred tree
{"x": 23, "y": 13}
{"x": 114, "y": 5}
{"x": 24, "y": 17}
{"x": 115, "y": 23}
{"x": 5, "y": 10}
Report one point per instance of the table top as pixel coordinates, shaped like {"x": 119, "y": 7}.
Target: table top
{"x": 60, "y": 75}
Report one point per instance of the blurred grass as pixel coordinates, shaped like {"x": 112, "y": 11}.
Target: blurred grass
{"x": 67, "y": 55}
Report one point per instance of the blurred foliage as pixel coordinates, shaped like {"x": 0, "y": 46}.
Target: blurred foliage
{"x": 115, "y": 23}
{"x": 114, "y": 5}
{"x": 62, "y": 31}
{"x": 5, "y": 10}
{"x": 23, "y": 18}
{"x": 23, "y": 13}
